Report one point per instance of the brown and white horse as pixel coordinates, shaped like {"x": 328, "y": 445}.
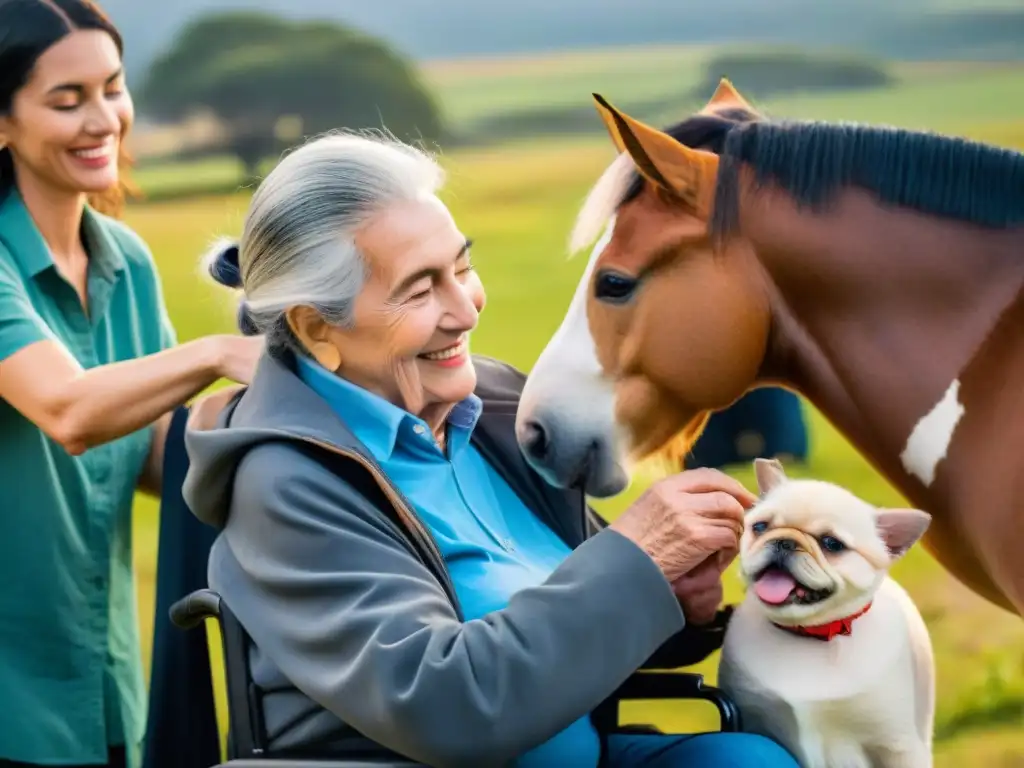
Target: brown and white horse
{"x": 876, "y": 271}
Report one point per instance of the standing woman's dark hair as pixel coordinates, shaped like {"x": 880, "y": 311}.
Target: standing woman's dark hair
{"x": 29, "y": 28}
{"x": 90, "y": 375}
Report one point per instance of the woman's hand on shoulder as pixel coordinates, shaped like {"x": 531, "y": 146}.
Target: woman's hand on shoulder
{"x": 238, "y": 356}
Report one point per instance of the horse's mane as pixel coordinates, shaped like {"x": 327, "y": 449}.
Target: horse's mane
{"x": 941, "y": 175}
{"x": 945, "y": 176}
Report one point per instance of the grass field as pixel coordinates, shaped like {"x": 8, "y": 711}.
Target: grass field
{"x": 473, "y": 92}
{"x": 656, "y": 85}
{"x": 518, "y": 204}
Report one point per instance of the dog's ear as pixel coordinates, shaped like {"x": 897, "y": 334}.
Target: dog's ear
{"x": 769, "y": 473}
{"x": 901, "y": 528}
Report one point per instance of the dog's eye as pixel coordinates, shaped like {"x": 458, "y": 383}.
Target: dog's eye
{"x": 759, "y": 528}
{"x": 832, "y": 544}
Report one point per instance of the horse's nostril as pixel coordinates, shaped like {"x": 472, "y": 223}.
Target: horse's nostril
{"x": 535, "y": 440}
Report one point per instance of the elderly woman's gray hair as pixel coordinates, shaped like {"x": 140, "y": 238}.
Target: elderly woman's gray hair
{"x": 298, "y": 240}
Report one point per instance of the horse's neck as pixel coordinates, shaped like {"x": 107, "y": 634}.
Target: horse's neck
{"x": 915, "y": 352}
{"x": 879, "y": 314}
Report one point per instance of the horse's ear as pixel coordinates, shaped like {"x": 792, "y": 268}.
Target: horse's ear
{"x": 690, "y": 174}
{"x": 607, "y": 113}
{"x": 726, "y": 97}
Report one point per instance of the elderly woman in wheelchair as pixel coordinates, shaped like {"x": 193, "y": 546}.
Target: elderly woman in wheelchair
{"x": 411, "y": 592}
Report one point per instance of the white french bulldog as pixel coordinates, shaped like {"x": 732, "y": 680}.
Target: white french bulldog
{"x": 827, "y": 655}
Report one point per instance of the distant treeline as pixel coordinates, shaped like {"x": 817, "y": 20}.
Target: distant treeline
{"x": 766, "y": 74}
{"x": 901, "y": 29}
{"x": 271, "y": 80}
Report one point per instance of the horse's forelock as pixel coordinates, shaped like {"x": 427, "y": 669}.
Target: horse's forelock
{"x": 602, "y": 202}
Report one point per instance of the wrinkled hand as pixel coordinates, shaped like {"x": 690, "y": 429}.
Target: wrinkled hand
{"x": 685, "y": 519}
{"x": 700, "y": 591}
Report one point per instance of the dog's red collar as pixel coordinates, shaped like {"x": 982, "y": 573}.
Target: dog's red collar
{"x": 830, "y": 630}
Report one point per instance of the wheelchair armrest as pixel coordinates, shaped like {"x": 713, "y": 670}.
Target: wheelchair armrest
{"x": 662, "y": 685}
{"x": 675, "y": 685}
{"x": 287, "y": 762}
{"x": 191, "y": 610}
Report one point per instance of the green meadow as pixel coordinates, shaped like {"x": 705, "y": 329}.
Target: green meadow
{"x": 659, "y": 83}
{"x": 518, "y": 200}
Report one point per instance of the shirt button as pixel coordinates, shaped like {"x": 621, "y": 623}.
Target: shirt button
{"x": 419, "y": 429}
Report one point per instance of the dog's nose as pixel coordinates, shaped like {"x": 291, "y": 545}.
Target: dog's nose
{"x": 785, "y": 545}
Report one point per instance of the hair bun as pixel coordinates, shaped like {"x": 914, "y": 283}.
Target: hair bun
{"x": 245, "y": 321}
{"x": 222, "y": 263}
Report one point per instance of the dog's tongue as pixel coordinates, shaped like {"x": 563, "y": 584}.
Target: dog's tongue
{"x": 774, "y": 587}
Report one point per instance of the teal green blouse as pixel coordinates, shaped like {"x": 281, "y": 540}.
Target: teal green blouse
{"x": 71, "y": 678}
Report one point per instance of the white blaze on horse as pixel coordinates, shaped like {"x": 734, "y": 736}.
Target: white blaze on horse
{"x": 876, "y": 271}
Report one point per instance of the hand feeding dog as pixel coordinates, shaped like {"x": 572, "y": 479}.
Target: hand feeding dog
{"x": 827, "y": 655}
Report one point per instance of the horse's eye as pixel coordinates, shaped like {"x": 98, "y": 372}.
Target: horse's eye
{"x": 614, "y": 286}
{"x": 832, "y": 544}
{"x": 759, "y": 527}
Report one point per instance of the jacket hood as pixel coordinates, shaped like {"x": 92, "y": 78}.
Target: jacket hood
{"x": 278, "y": 406}
{"x": 223, "y": 427}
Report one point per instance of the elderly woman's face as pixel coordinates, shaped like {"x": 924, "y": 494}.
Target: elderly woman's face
{"x": 409, "y": 341}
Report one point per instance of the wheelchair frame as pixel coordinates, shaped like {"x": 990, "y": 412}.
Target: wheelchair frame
{"x": 247, "y": 739}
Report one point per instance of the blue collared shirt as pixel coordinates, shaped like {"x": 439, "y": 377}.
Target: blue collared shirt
{"x": 492, "y": 544}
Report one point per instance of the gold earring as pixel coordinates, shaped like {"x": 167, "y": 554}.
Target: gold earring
{"x": 328, "y": 356}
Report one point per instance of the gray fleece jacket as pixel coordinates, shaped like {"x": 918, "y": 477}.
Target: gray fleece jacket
{"x": 359, "y": 643}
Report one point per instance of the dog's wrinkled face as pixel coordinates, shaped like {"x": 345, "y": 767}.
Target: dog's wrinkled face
{"x": 813, "y": 552}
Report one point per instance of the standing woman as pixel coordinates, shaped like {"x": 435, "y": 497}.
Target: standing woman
{"x": 89, "y": 373}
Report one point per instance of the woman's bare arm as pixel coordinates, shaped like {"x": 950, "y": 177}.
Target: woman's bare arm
{"x": 83, "y": 408}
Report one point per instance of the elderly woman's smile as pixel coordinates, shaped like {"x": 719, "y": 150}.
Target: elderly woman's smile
{"x": 451, "y": 356}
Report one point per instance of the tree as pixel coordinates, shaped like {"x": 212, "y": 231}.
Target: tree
{"x": 764, "y": 73}
{"x": 254, "y": 70}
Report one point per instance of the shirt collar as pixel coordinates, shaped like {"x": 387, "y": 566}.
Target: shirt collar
{"x": 379, "y": 424}
{"x": 21, "y": 237}
{"x": 104, "y": 251}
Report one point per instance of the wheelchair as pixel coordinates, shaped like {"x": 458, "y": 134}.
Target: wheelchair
{"x": 247, "y": 740}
